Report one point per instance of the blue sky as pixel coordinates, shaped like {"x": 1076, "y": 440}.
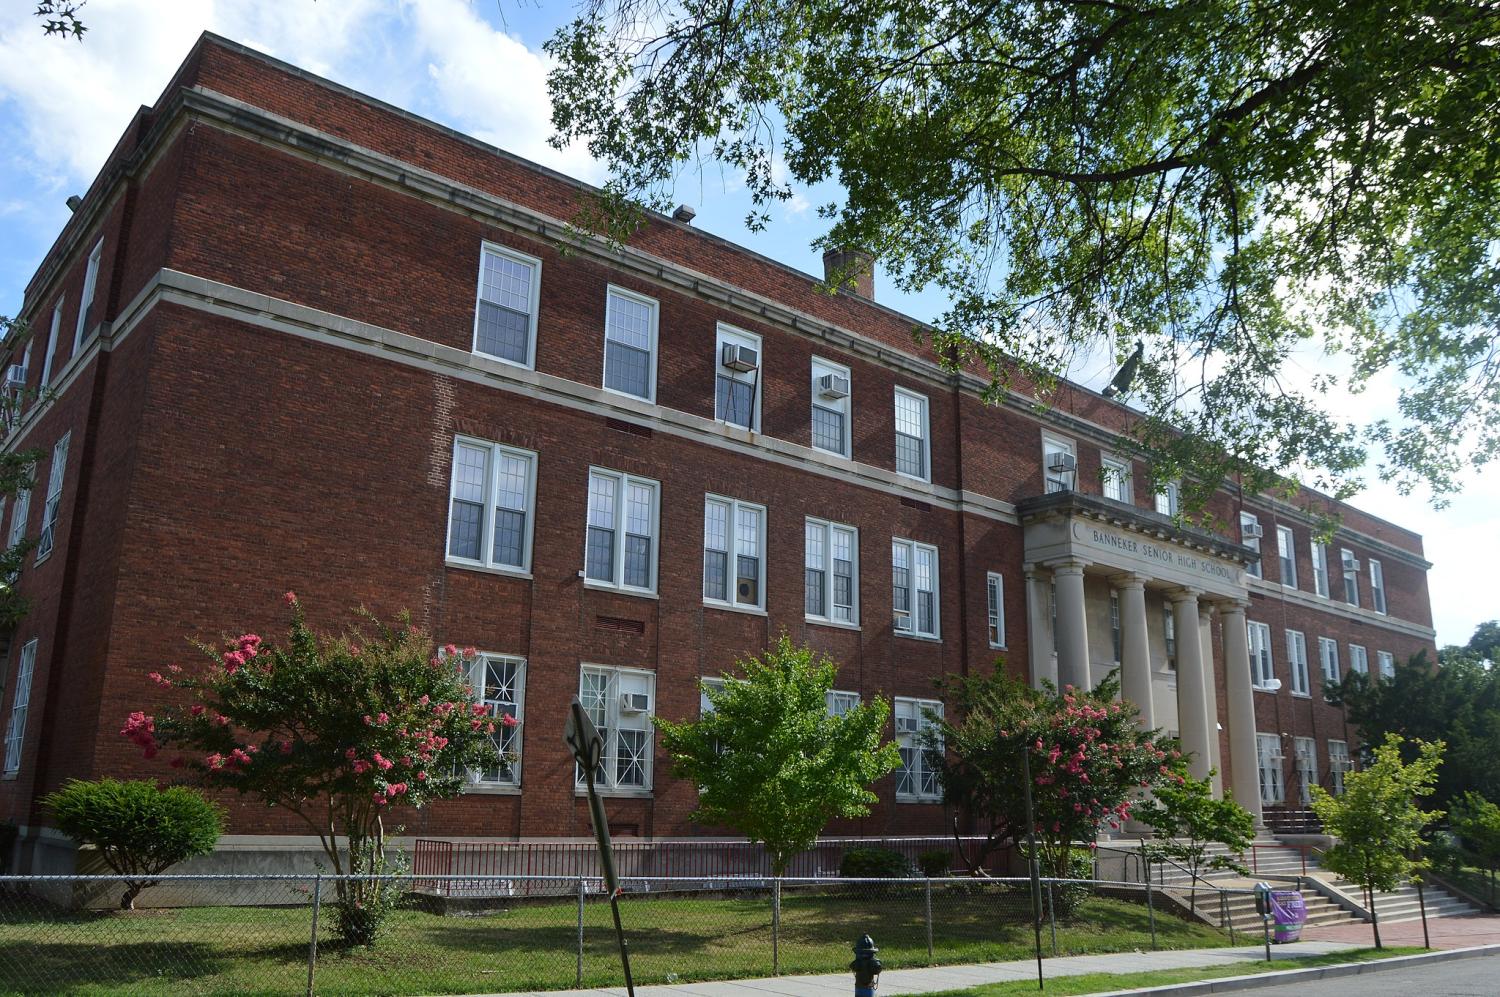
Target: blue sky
{"x": 478, "y": 67}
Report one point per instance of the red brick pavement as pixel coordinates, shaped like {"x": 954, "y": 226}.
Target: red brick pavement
{"x": 1445, "y": 932}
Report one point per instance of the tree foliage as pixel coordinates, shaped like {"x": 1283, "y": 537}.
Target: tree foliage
{"x": 1232, "y": 182}
{"x": 1089, "y": 762}
{"x": 770, "y": 761}
{"x": 1377, "y": 822}
{"x": 334, "y": 729}
{"x": 1185, "y": 820}
{"x": 1476, "y": 821}
{"x": 140, "y": 830}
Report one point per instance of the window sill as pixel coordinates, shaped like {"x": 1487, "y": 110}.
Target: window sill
{"x": 490, "y": 789}
{"x": 997, "y": 647}
{"x": 487, "y": 569}
{"x": 913, "y": 477}
{"x": 615, "y": 794}
{"x": 626, "y": 394}
{"x": 506, "y": 360}
{"x": 922, "y": 637}
{"x": 730, "y": 607}
{"x": 1301, "y": 695}
{"x": 837, "y": 625}
{"x": 618, "y": 590}
{"x": 10, "y": 776}
{"x": 1265, "y": 689}
{"x": 834, "y": 453}
{"x": 919, "y": 799}
{"x": 42, "y": 559}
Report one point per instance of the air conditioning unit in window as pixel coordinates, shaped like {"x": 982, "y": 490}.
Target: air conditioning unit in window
{"x": 634, "y": 702}
{"x": 907, "y": 725}
{"x": 1351, "y": 564}
{"x": 745, "y": 590}
{"x": 15, "y": 377}
{"x": 833, "y": 386}
{"x": 1251, "y": 531}
{"x": 1061, "y": 462}
{"x": 737, "y": 357}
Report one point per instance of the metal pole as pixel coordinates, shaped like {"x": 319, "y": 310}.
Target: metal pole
{"x": 775, "y": 927}
{"x": 1036, "y": 886}
{"x": 312, "y": 944}
{"x": 1052, "y": 913}
{"x": 578, "y": 975}
{"x": 1151, "y": 909}
{"x": 929, "y": 920}
{"x": 1265, "y": 927}
{"x": 1422, "y": 903}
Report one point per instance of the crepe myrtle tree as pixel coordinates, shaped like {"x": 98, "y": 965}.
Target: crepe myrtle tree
{"x": 1090, "y": 762}
{"x": 335, "y": 729}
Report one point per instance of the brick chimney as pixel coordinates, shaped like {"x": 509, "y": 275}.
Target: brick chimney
{"x": 857, "y": 268}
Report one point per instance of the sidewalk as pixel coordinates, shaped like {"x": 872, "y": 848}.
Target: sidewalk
{"x": 1459, "y": 931}
{"x": 937, "y": 978}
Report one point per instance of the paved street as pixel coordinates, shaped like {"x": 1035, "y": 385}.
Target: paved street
{"x": 1479, "y": 977}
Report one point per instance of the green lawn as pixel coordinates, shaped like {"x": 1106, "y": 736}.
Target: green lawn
{"x": 1476, "y": 882}
{"x": 534, "y": 946}
{"x": 1092, "y": 983}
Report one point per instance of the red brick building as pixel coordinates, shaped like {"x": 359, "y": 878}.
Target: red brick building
{"x": 293, "y": 338}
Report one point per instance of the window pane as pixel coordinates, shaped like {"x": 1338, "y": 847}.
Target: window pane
{"x": 747, "y": 580}
{"x": 813, "y": 559}
{"x": 910, "y": 419}
{"x": 715, "y": 575}
{"x": 828, "y": 429}
{"x": 629, "y": 369}
{"x": 510, "y": 537}
{"x": 637, "y": 561}
{"x": 843, "y": 576}
{"x": 813, "y": 604}
{"x": 510, "y": 490}
{"x": 504, "y": 333}
{"x": 629, "y": 322}
{"x": 630, "y": 758}
{"x": 715, "y": 526}
{"x": 507, "y": 282}
{"x": 602, "y": 501}
{"x": 601, "y": 554}
{"x": 735, "y": 401}
{"x": 909, "y": 455}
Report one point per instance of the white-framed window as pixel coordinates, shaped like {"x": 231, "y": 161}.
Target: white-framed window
{"x": 1114, "y": 479}
{"x": 831, "y": 572}
{"x": 917, "y": 776}
{"x": 737, "y": 367}
{"x": 21, "y": 511}
{"x": 914, "y": 580}
{"x": 620, "y": 550}
{"x": 1377, "y": 586}
{"x": 1286, "y": 551}
{"x": 15, "y": 728}
{"x": 1296, "y": 656}
{"x": 734, "y": 543}
{"x": 620, "y": 702}
{"x": 1387, "y": 662}
{"x": 1305, "y": 750}
{"x": 1328, "y": 657}
{"x": 912, "y": 445}
{"x": 1059, "y": 464}
{"x": 1350, "y": 565}
{"x": 52, "y": 338}
{"x": 994, "y": 588}
{"x": 832, "y": 392}
{"x": 1250, "y": 537}
{"x": 1359, "y": 659}
{"x": 499, "y": 682}
{"x": 90, "y": 283}
{"x": 1338, "y": 765}
{"x": 1268, "y": 758}
{"x": 1114, "y": 625}
{"x": 1262, "y": 666}
{"x": 1320, "y": 568}
{"x": 53, "y": 507}
{"x": 1169, "y": 498}
{"x": 841, "y": 702}
{"x": 505, "y": 315}
{"x": 630, "y": 343}
{"x": 490, "y": 499}
{"x": 1169, "y": 634}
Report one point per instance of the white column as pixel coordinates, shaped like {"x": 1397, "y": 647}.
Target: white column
{"x": 1072, "y": 626}
{"x": 1192, "y": 717}
{"x": 1135, "y": 649}
{"x": 1039, "y": 626}
{"x": 1210, "y": 696}
{"x": 1244, "y": 769}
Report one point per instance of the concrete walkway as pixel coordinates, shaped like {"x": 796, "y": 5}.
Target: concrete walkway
{"x": 1455, "y": 932}
{"x": 937, "y": 978}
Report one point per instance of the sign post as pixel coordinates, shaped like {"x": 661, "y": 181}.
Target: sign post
{"x": 588, "y": 746}
{"x": 1033, "y": 864}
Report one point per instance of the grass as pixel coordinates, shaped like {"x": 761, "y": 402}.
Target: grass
{"x": 245, "y": 950}
{"x": 1092, "y": 983}
{"x": 1474, "y": 881}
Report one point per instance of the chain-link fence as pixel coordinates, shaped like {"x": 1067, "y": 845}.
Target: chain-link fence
{"x": 281, "y": 934}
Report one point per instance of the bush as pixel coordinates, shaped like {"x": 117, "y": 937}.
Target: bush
{"x": 8, "y": 835}
{"x": 359, "y": 916}
{"x": 874, "y": 863}
{"x": 139, "y": 829}
{"x": 935, "y": 863}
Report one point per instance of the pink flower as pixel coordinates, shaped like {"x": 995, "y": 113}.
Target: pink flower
{"x": 174, "y": 669}
{"x": 471, "y": 652}
{"x": 232, "y": 661}
{"x": 290, "y": 598}
{"x": 450, "y": 649}
{"x": 350, "y": 753}
{"x": 425, "y": 699}
{"x": 196, "y": 709}
{"x": 396, "y": 788}
{"x": 214, "y": 761}
{"x": 368, "y": 720}
{"x": 221, "y": 720}
{"x": 384, "y": 718}
{"x": 421, "y": 776}
{"x": 158, "y": 678}
{"x": 239, "y": 756}
{"x": 361, "y": 766}
{"x": 384, "y": 763}
{"x": 510, "y": 721}
{"x": 380, "y": 799}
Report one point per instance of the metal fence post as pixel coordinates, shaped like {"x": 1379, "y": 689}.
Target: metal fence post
{"x": 1052, "y": 914}
{"x": 929, "y": 920}
{"x": 312, "y": 943}
{"x": 776, "y": 926}
{"x": 1151, "y": 909}
{"x": 578, "y": 973}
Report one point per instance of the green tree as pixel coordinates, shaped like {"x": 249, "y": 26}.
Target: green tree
{"x": 1185, "y": 820}
{"x": 771, "y": 762}
{"x": 1476, "y": 821}
{"x": 140, "y": 830}
{"x": 1231, "y": 182}
{"x": 334, "y": 729}
{"x": 1089, "y": 761}
{"x": 1377, "y": 823}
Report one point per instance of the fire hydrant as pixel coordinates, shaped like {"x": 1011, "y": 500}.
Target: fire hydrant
{"x": 866, "y": 967}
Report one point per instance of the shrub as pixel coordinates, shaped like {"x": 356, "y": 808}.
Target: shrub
{"x": 935, "y": 863}
{"x": 874, "y": 863}
{"x": 8, "y": 835}
{"x": 139, "y": 829}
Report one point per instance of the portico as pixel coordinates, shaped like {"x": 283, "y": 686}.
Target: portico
{"x": 1113, "y": 586}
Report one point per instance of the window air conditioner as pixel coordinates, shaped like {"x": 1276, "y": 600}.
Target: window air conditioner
{"x": 1351, "y": 563}
{"x": 833, "y": 386}
{"x": 1252, "y": 531}
{"x": 634, "y": 702}
{"x": 15, "y": 376}
{"x": 907, "y": 725}
{"x": 737, "y": 357}
{"x": 1061, "y": 462}
{"x": 745, "y": 590}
